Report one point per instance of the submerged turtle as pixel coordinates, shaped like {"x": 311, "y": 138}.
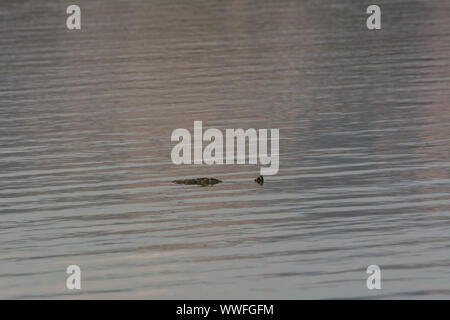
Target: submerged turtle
{"x": 199, "y": 181}
{"x": 210, "y": 181}
{"x": 260, "y": 180}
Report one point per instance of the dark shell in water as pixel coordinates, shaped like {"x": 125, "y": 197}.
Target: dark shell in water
{"x": 260, "y": 180}
{"x": 199, "y": 181}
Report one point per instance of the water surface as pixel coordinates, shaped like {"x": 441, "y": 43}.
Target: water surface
{"x": 85, "y": 170}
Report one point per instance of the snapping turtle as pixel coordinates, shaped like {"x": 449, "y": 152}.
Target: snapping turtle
{"x": 210, "y": 181}
{"x": 199, "y": 181}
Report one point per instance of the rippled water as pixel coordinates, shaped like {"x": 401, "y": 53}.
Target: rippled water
{"x": 85, "y": 170}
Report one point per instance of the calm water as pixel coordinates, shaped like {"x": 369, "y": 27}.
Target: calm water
{"x": 85, "y": 170}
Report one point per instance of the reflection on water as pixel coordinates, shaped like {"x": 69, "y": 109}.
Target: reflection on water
{"x": 85, "y": 170}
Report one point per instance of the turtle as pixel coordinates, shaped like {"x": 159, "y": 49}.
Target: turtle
{"x": 260, "y": 180}
{"x": 210, "y": 181}
{"x": 199, "y": 181}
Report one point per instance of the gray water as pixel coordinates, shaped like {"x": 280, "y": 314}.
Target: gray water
{"x": 85, "y": 169}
